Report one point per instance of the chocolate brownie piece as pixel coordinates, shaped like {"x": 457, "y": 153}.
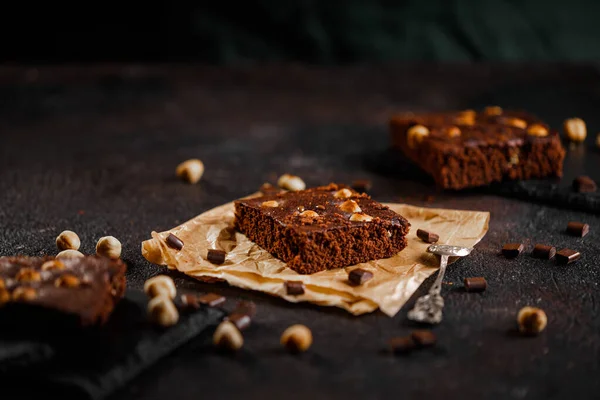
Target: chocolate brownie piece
{"x": 468, "y": 149}
{"x": 322, "y": 228}
{"x": 82, "y": 290}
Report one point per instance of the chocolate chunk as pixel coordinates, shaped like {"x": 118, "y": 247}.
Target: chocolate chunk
{"x": 190, "y": 301}
{"x": 578, "y": 229}
{"x": 246, "y": 307}
{"x": 361, "y": 185}
{"x": 427, "y": 237}
{"x": 584, "y": 184}
{"x": 512, "y": 250}
{"x": 359, "y": 276}
{"x": 477, "y": 284}
{"x": 211, "y": 299}
{"x": 216, "y": 256}
{"x": 241, "y": 321}
{"x": 294, "y": 288}
{"x": 543, "y": 251}
{"x": 402, "y": 345}
{"x": 174, "y": 242}
{"x": 423, "y": 338}
{"x": 567, "y": 256}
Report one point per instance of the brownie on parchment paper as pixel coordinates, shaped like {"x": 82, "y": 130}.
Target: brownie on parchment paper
{"x": 38, "y": 291}
{"x": 468, "y": 149}
{"x": 322, "y": 228}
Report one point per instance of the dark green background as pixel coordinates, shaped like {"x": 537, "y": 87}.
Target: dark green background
{"x": 312, "y": 31}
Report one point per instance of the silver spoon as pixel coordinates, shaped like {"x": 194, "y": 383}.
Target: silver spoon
{"x": 428, "y": 308}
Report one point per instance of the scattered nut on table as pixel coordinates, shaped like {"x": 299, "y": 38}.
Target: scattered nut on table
{"x": 69, "y": 254}
{"x": 191, "y": 170}
{"x": 160, "y": 285}
{"x": 297, "y": 338}
{"x": 68, "y": 240}
{"x": 228, "y": 337}
{"x": 531, "y": 320}
{"x": 291, "y": 182}
{"x": 162, "y": 311}
{"x": 109, "y": 246}
{"x": 575, "y": 129}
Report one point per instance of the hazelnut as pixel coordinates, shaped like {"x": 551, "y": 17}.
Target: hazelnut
{"x": 53, "y": 265}
{"x": 160, "y": 285}
{"x": 190, "y": 171}
{"x": 24, "y": 293}
{"x": 2, "y": 284}
{"x": 466, "y": 117}
{"x": 68, "y": 240}
{"x": 517, "y": 123}
{"x": 453, "y": 131}
{"x": 297, "y": 338}
{"x": 228, "y": 337}
{"x": 109, "y": 246}
{"x": 4, "y": 296}
{"x": 493, "y": 110}
{"x": 67, "y": 280}
{"x": 359, "y": 217}
{"x": 69, "y": 254}
{"x": 415, "y": 135}
{"x": 575, "y": 129}
{"x": 531, "y": 320}
{"x": 162, "y": 311}
{"x": 537, "y": 130}
{"x": 350, "y": 206}
{"x": 291, "y": 182}
{"x": 270, "y": 203}
{"x": 343, "y": 194}
{"x": 309, "y": 214}
{"x": 28, "y": 275}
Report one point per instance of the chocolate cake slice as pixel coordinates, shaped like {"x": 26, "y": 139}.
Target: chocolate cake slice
{"x": 468, "y": 149}
{"x": 70, "y": 292}
{"x": 322, "y": 228}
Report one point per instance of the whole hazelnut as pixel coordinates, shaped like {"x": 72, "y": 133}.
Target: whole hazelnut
{"x": 575, "y": 129}
{"x": 350, "y": 206}
{"x": 297, "y": 338}
{"x": 360, "y": 217}
{"x": 270, "y": 203}
{"x": 160, "y": 285}
{"x": 109, "y": 246}
{"x": 537, "y": 130}
{"x": 228, "y": 337}
{"x": 493, "y": 110}
{"x": 190, "y": 171}
{"x": 4, "y": 296}
{"x": 453, "y": 131}
{"x": 309, "y": 214}
{"x": 24, "y": 293}
{"x": 68, "y": 240}
{"x": 69, "y": 254}
{"x": 162, "y": 311}
{"x": 291, "y": 182}
{"x": 415, "y": 135}
{"x": 67, "y": 280}
{"x": 466, "y": 117}
{"x": 343, "y": 194}
{"x": 531, "y": 320}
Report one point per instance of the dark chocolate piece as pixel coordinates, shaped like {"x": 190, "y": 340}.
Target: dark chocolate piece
{"x": 584, "y": 184}
{"x": 174, "y": 242}
{"x": 423, "y": 338}
{"x": 567, "y": 256}
{"x": 469, "y": 149}
{"x": 294, "y": 288}
{"x": 211, "y": 299}
{"x": 578, "y": 229}
{"x": 190, "y": 301}
{"x": 359, "y": 276}
{"x": 241, "y": 321}
{"x": 402, "y": 345}
{"x": 476, "y": 284}
{"x": 543, "y": 251}
{"x": 361, "y": 185}
{"x": 512, "y": 250}
{"x": 427, "y": 237}
{"x": 85, "y": 289}
{"x": 216, "y": 256}
{"x": 310, "y": 241}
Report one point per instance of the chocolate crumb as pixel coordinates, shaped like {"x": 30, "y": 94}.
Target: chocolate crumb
{"x": 402, "y": 345}
{"x": 476, "y": 284}
{"x": 584, "y": 184}
{"x": 190, "y": 301}
{"x": 543, "y": 251}
{"x": 423, "y": 338}
{"x": 216, "y": 256}
{"x": 359, "y": 276}
{"x": 578, "y": 229}
{"x": 174, "y": 242}
{"x": 294, "y": 288}
{"x": 211, "y": 299}
{"x": 427, "y": 237}
{"x": 567, "y": 256}
{"x": 512, "y": 250}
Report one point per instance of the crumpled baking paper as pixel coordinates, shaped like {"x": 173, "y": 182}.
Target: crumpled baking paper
{"x": 250, "y": 267}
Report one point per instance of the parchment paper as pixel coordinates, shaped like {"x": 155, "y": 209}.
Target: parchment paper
{"x": 250, "y": 267}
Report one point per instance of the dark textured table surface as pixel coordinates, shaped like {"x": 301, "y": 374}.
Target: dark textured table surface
{"x": 94, "y": 150}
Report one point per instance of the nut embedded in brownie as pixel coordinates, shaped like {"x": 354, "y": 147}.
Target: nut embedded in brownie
{"x": 469, "y": 149}
{"x": 317, "y": 229}
{"x": 83, "y": 290}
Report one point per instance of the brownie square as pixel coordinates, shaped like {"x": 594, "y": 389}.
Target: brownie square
{"x": 468, "y": 149}
{"x": 70, "y": 292}
{"x": 322, "y": 228}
